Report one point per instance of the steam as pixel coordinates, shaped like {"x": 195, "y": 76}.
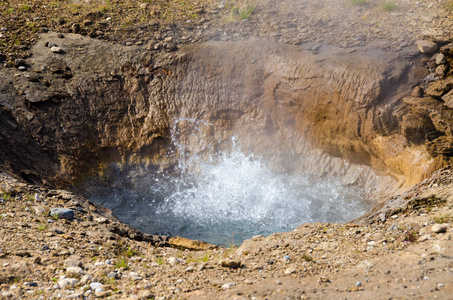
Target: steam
{"x": 213, "y": 196}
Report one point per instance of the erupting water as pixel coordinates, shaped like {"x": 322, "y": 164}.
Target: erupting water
{"x": 228, "y": 194}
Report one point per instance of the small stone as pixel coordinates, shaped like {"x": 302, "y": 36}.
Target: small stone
{"x": 145, "y": 294}
{"x": 290, "y": 270}
{"x": 23, "y": 253}
{"x": 101, "y": 220}
{"x": 168, "y": 39}
{"x": 143, "y": 6}
{"x": 382, "y": 217}
{"x": 85, "y": 279}
{"x": 112, "y": 275}
{"x": 227, "y": 286}
{"x": 394, "y": 217}
{"x": 6, "y": 294}
{"x": 95, "y": 285}
{"x": 441, "y": 70}
{"x": 37, "y": 260}
{"x": 39, "y": 210}
{"x": 324, "y": 279}
{"x": 56, "y": 50}
{"x": 228, "y": 263}
{"x": 75, "y": 296}
{"x": 175, "y": 261}
{"x": 60, "y": 36}
{"x": 129, "y": 43}
{"x": 358, "y": 284}
{"x": 418, "y": 91}
{"x": 424, "y": 238}
{"x": 189, "y": 269}
{"x": 74, "y": 271}
{"x": 439, "y": 228}
{"x": 62, "y": 213}
{"x": 67, "y": 282}
{"x": 440, "y": 285}
{"x": 440, "y": 59}
{"x": 426, "y": 47}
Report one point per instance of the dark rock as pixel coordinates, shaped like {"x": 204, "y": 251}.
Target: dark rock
{"x": 233, "y": 264}
{"x": 443, "y": 145}
{"x": 22, "y": 253}
{"x": 447, "y": 50}
{"x": 62, "y": 213}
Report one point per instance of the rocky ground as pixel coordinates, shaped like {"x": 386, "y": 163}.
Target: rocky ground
{"x": 84, "y": 252}
{"x": 402, "y": 250}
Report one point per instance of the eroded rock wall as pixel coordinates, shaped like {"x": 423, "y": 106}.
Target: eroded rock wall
{"x": 68, "y": 114}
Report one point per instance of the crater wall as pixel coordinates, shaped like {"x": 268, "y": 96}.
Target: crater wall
{"x": 318, "y": 109}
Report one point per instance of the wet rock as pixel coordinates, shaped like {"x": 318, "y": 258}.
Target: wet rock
{"x": 439, "y": 228}
{"x": 62, "y": 213}
{"x": 426, "y": 47}
{"x": 184, "y": 243}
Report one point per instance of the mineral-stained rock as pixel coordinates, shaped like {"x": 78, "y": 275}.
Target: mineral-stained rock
{"x": 447, "y": 50}
{"x": 184, "y": 243}
{"x": 448, "y": 99}
{"x": 442, "y": 145}
{"x": 426, "y": 47}
{"x": 439, "y": 88}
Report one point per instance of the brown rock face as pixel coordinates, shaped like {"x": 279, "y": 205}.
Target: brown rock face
{"x": 282, "y": 101}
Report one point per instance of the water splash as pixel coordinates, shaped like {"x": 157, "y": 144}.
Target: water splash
{"x": 213, "y": 196}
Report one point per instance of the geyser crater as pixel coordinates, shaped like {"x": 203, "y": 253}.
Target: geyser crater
{"x": 217, "y": 193}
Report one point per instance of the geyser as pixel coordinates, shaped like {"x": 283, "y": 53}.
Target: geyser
{"x": 219, "y": 197}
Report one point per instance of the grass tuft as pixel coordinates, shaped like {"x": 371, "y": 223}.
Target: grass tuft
{"x": 358, "y": 2}
{"x": 388, "y": 5}
{"x": 443, "y": 219}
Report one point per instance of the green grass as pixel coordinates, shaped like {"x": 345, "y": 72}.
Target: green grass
{"x": 308, "y": 258}
{"x": 205, "y": 257}
{"x": 358, "y": 2}
{"x": 443, "y": 219}
{"x": 159, "y": 260}
{"x": 388, "y": 5}
{"x": 122, "y": 263}
{"x": 6, "y": 196}
{"x": 42, "y": 227}
{"x": 25, "y": 7}
{"x": 449, "y": 6}
{"x": 247, "y": 12}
